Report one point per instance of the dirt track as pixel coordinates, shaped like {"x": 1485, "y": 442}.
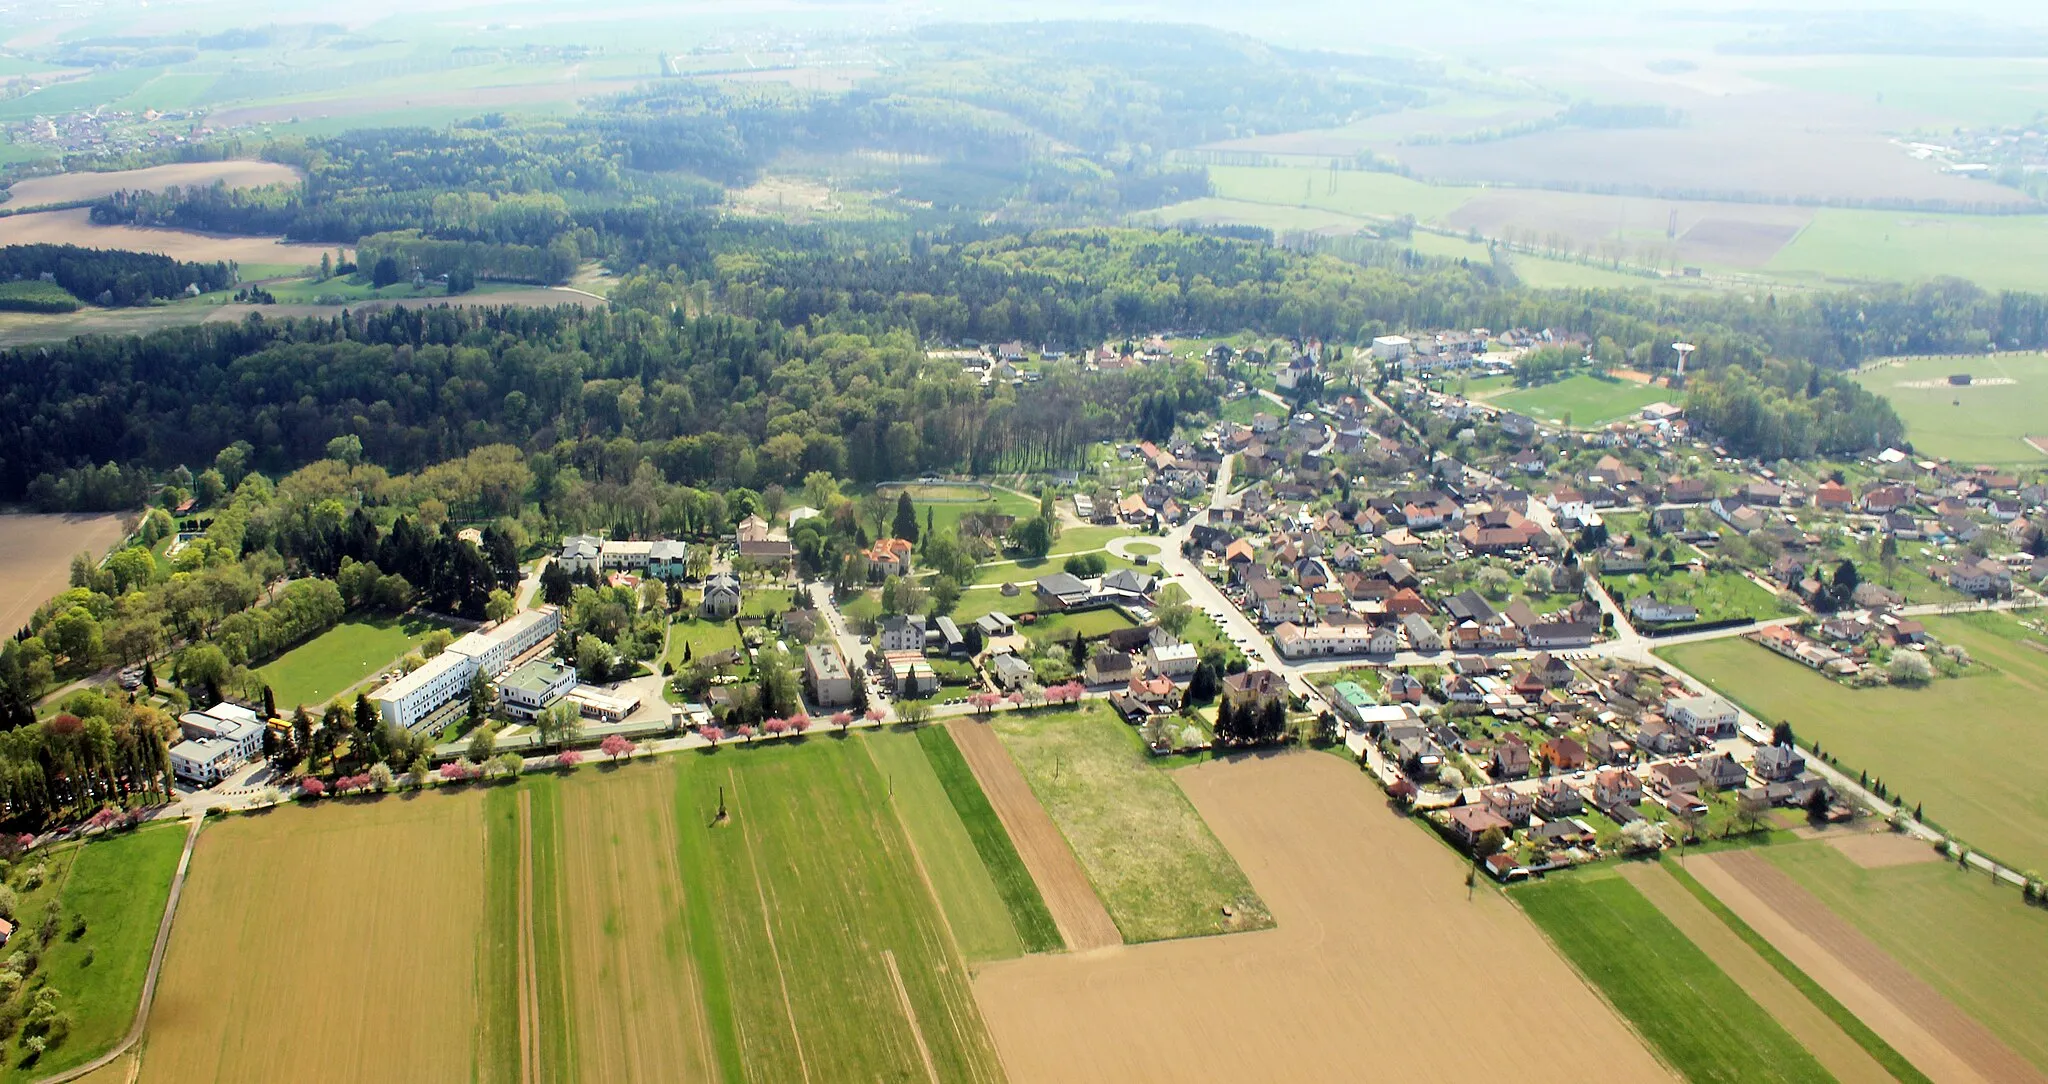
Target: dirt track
{"x": 1380, "y": 969}
{"x": 1937, "y": 1037}
{"x": 35, "y": 558}
{"x": 1084, "y": 923}
{"x": 1825, "y": 1039}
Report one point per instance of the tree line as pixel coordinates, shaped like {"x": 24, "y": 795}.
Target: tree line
{"x": 112, "y": 278}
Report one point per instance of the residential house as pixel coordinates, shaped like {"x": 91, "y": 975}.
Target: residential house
{"x": 1558, "y": 798}
{"x": 1704, "y": 717}
{"x": 1722, "y": 771}
{"x": 1833, "y": 497}
{"x": 1510, "y": 760}
{"x": 1469, "y": 822}
{"x": 1561, "y": 634}
{"x": 722, "y": 597}
{"x": 1564, "y": 754}
{"x": 1658, "y": 735}
{"x": 1255, "y": 687}
{"x": 1778, "y": 763}
{"x": 901, "y": 632}
{"x": 1171, "y": 658}
{"x": 1509, "y": 804}
{"x": 752, "y": 529}
{"x": 1422, "y": 636}
{"x": 1010, "y": 672}
{"x": 1649, "y": 610}
{"x": 768, "y": 552}
{"x": 830, "y": 681}
{"x": 1296, "y": 641}
{"x": 668, "y": 561}
{"x": 1062, "y": 591}
{"x": 889, "y": 557}
{"x": 1109, "y": 667}
{"x": 1616, "y": 788}
{"x": 1673, "y": 776}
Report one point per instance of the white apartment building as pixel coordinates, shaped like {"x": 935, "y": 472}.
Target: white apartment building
{"x": 411, "y": 699}
{"x": 216, "y": 742}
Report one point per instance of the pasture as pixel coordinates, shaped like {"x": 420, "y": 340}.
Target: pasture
{"x": 321, "y": 668}
{"x": 1964, "y": 749}
{"x": 1582, "y": 400}
{"x": 390, "y": 897}
{"x": 75, "y": 227}
{"x": 1340, "y": 871}
{"x": 70, "y": 187}
{"x": 1987, "y": 422}
{"x": 1973, "y": 941}
{"x": 1157, "y": 867}
{"x": 1700, "y": 1021}
{"x": 35, "y": 557}
{"x": 117, "y": 886}
{"x": 1998, "y": 252}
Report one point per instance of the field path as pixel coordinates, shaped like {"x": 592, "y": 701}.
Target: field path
{"x": 1936, "y": 1036}
{"x": 529, "y": 979}
{"x": 1374, "y": 972}
{"x": 910, "y": 1014}
{"x": 1084, "y": 923}
{"x": 1825, "y": 1039}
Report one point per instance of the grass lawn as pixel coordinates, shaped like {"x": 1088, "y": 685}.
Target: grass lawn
{"x": 833, "y": 959}
{"x": 702, "y": 638}
{"x": 1031, "y": 923}
{"x": 974, "y": 604}
{"x": 1973, "y": 941}
{"x": 1983, "y": 423}
{"x": 763, "y": 601}
{"x": 1965, "y": 749}
{"x": 1091, "y": 624}
{"x": 1717, "y": 595}
{"x": 946, "y": 515}
{"x": 1028, "y": 570}
{"x": 315, "y": 671}
{"x": 118, "y": 885}
{"x": 1158, "y": 868}
{"x": 1583, "y": 400}
{"x": 1696, "y": 1017}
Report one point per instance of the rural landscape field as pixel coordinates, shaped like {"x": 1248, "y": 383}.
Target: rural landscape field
{"x": 938, "y": 542}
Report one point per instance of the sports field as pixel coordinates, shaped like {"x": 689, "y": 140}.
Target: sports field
{"x": 35, "y": 557}
{"x": 118, "y": 887}
{"x": 1582, "y": 401}
{"x": 1987, "y": 422}
{"x": 1966, "y": 748}
{"x": 319, "y": 669}
{"x": 1974, "y": 942}
{"x": 1156, "y": 865}
{"x": 1699, "y": 1019}
{"x": 1372, "y": 971}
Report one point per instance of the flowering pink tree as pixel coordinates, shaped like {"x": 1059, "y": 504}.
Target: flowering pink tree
{"x": 460, "y": 770}
{"x": 569, "y": 759}
{"x": 874, "y": 715}
{"x": 745, "y": 731}
{"x": 775, "y": 728}
{"x": 799, "y": 723}
{"x": 843, "y": 720}
{"x": 312, "y": 788}
{"x": 983, "y": 703}
{"x": 1065, "y": 693}
{"x": 711, "y": 734}
{"x": 616, "y": 746}
{"x": 106, "y": 818}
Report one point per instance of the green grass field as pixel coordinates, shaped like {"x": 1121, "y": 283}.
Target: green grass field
{"x": 315, "y": 671}
{"x": 1029, "y": 570}
{"x": 1995, "y": 251}
{"x": 1030, "y": 922}
{"x": 1158, "y": 868}
{"x": 1984, "y": 423}
{"x": 1971, "y": 940}
{"x": 700, "y": 638}
{"x": 1583, "y": 401}
{"x": 35, "y": 296}
{"x": 1695, "y": 1016}
{"x": 1091, "y": 624}
{"x": 808, "y": 892}
{"x": 497, "y": 1041}
{"x": 1719, "y": 596}
{"x": 101, "y": 88}
{"x": 1966, "y": 748}
{"x": 118, "y": 885}
{"x": 965, "y": 888}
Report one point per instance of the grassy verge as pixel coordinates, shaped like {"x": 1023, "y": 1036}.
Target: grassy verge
{"x": 1697, "y": 1018}
{"x": 1894, "y": 1062}
{"x": 1013, "y": 883}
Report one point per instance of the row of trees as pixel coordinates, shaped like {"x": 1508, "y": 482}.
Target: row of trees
{"x": 109, "y": 277}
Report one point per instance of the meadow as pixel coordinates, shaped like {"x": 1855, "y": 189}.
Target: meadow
{"x": 319, "y": 669}
{"x": 1982, "y": 423}
{"x": 1155, "y": 864}
{"x": 1973, "y": 941}
{"x": 1582, "y": 400}
{"x": 1696, "y": 1017}
{"x": 1718, "y": 596}
{"x": 117, "y": 886}
{"x": 1998, "y": 252}
{"x": 1964, "y": 749}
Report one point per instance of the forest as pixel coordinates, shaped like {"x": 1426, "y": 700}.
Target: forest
{"x": 109, "y": 277}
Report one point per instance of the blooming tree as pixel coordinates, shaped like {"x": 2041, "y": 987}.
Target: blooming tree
{"x": 616, "y": 746}
{"x": 312, "y": 788}
{"x": 843, "y": 720}
{"x": 569, "y": 758}
{"x": 799, "y": 723}
{"x": 775, "y": 728}
{"x": 745, "y": 731}
{"x": 712, "y": 734}
{"x": 874, "y": 715}
{"x": 983, "y": 703}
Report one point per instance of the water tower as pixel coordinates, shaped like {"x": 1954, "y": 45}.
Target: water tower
{"x": 1683, "y": 349}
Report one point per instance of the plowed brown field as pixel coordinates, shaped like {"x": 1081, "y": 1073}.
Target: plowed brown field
{"x": 1937, "y": 1037}
{"x": 633, "y": 989}
{"x": 1373, "y": 972}
{"x": 75, "y": 227}
{"x": 35, "y": 558}
{"x": 335, "y": 947}
{"x": 1078, "y": 912}
{"x": 67, "y": 187}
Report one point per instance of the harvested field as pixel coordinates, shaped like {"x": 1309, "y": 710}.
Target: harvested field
{"x": 1822, "y": 1037}
{"x": 1735, "y": 234}
{"x": 1882, "y": 850}
{"x": 633, "y": 990}
{"x": 1082, "y": 920}
{"x": 75, "y": 227}
{"x": 35, "y": 557}
{"x": 383, "y": 984}
{"x": 1347, "y": 1000}
{"x": 1939, "y": 1038}
{"x": 18, "y": 328}
{"x": 69, "y": 187}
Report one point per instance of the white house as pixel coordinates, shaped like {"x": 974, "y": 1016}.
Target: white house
{"x": 580, "y": 552}
{"x": 1296, "y": 642}
{"x": 1172, "y": 660}
{"x": 901, "y": 633}
{"x": 1703, "y": 716}
{"x": 216, "y": 742}
{"x": 527, "y": 690}
{"x": 1392, "y": 347}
